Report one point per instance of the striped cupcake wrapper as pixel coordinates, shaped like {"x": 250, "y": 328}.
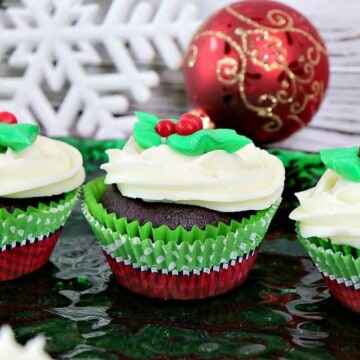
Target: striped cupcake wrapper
{"x": 27, "y": 238}
{"x": 26, "y": 257}
{"x": 185, "y": 285}
{"x": 339, "y": 266}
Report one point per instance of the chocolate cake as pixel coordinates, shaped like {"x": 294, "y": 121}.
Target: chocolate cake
{"x": 169, "y": 214}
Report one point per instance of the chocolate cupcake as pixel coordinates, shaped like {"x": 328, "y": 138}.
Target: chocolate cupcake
{"x": 182, "y": 210}
{"x": 40, "y": 182}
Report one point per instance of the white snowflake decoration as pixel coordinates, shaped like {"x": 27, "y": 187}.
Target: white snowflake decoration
{"x": 73, "y": 65}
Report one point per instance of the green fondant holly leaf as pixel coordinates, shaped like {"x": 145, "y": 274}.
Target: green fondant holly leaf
{"x": 197, "y": 143}
{"x": 147, "y": 118}
{"x": 206, "y": 140}
{"x": 344, "y": 161}
{"x": 17, "y": 136}
{"x": 144, "y": 130}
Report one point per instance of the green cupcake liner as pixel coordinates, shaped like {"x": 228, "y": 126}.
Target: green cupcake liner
{"x": 162, "y": 248}
{"x": 338, "y": 262}
{"x": 36, "y": 222}
{"x": 93, "y": 192}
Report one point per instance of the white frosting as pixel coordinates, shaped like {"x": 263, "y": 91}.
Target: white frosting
{"x": 11, "y": 350}
{"x": 48, "y": 167}
{"x": 249, "y": 179}
{"x": 330, "y": 209}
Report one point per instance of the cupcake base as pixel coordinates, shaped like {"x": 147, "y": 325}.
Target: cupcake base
{"x": 179, "y": 264}
{"x": 340, "y": 267}
{"x": 183, "y": 286}
{"x": 348, "y": 296}
{"x": 26, "y": 257}
{"x": 29, "y": 233}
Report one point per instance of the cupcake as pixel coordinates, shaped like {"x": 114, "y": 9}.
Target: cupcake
{"x": 40, "y": 183}
{"x": 327, "y": 223}
{"x": 182, "y": 210}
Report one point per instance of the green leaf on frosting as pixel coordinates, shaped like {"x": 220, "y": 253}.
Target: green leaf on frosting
{"x": 144, "y": 130}
{"x": 344, "y": 161}
{"x": 206, "y": 140}
{"x": 17, "y": 136}
{"x": 199, "y": 142}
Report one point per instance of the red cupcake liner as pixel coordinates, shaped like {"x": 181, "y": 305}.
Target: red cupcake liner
{"x": 182, "y": 286}
{"x": 348, "y": 296}
{"x": 24, "y": 259}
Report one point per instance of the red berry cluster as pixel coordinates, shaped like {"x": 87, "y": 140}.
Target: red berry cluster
{"x": 8, "y": 117}
{"x": 188, "y": 123}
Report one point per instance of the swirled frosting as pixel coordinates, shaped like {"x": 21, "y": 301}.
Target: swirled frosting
{"x": 331, "y": 209}
{"x": 47, "y": 167}
{"x": 248, "y": 179}
{"x": 10, "y": 349}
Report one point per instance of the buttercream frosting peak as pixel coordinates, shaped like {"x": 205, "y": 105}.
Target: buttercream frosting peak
{"x": 331, "y": 209}
{"x": 248, "y": 179}
{"x": 11, "y": 350}
{"x": 47, "y": 167}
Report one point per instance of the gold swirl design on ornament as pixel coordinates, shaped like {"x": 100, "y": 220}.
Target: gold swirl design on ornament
{"x": 226, "y": 70}
{"x": 275, "y": 55}
{"x": 317, "y": 91}
{"x": 246, "y": 45}
{"x": 312, "y": 58}
{"x": 239, "y": 77}
{"x": 226, "y": 60}
{"x": 191, "y": 59}
{"x": 276, "y": 17}
{"x": 279, "y": 18}
{"x": 284, "y": 23}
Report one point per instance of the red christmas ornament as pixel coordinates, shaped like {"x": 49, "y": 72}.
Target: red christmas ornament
{"x": 259, "y": 67}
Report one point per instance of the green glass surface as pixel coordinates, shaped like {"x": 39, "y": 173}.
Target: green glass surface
{"x": 283, "y": 310}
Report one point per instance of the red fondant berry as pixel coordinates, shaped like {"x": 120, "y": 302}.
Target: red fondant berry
{"x": 184, "y": 127}
{"x": 192, "y": 118}
{"x": 165, "y": 127}
{"x": 8, "y": 117}
{"x": 188, "y": 123}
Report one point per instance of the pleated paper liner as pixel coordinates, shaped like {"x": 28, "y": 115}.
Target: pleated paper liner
{"x": 94, "y": 190}
{"x": 28, "y": 237}
{"x": 199, "y": 284}
{"x": 339, "y": 265}
{"x": 26, "y": 258}
{"x": 346, "y": 294}
{"x": 34, "y": 222}
{"x": 200, "y": 248}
